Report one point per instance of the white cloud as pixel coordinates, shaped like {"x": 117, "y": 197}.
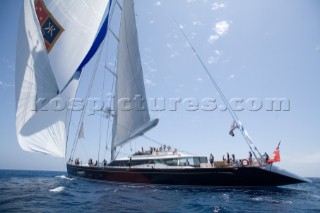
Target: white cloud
{"x": 158, "y": 3}
{"x": 216, "y": 6}
{"x": 212, "y": 39}
{"x": 199, "y": 79}
{"x": 222, "y": 27}
{"x": 196, "y": 23}
{"x": 217, "y": 52}
{"x": 232, "y": 76}
{"x": 147, "y": 49}
{"x": 149, "y": 82}
{"x": 174, "y": 55}
{"x": 152, "y": 69}
{"x": 151, "y": 22}
{"x": 8, "y": 64}
{"x": 4, "y": 85}
{"x": 186, "y": 44}
{"x": 193, "y": 35}
{"x": 214, "y": 58}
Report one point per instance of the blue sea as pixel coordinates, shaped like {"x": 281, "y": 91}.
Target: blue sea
{"x": 43, "y": 191}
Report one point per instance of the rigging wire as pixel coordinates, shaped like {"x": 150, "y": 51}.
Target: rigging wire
{"x": 224, "y": 99}
{"x": 86, "y": 98}
{"x": 101, "y": 116}
{"x": 113, "y": 81}
{"x": 89, "y": 92}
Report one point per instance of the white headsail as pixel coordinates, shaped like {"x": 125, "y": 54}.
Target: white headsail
{"x": 132, "y": 116}
{"x": 54, "y": 39}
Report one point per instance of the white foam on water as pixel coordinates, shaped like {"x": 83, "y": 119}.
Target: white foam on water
{"x": 64, "y": 177}
{"x": 57, "y": 189}
{"x": 271, "y": 200}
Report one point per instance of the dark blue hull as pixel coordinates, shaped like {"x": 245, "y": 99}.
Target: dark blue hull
{"x": 216, "y": 177}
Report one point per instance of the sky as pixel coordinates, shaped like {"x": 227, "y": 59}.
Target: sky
{"x": 256, "y": 50}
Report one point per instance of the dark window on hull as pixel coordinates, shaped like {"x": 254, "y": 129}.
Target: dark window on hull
{"x": 193, "y": 161}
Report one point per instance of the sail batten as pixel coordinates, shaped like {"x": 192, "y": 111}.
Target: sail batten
{"x": 132, "y": 116}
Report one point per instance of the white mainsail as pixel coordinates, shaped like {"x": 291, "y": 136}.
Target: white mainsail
{"x": 54, "y": 38}
{"x": 132, "y": 120}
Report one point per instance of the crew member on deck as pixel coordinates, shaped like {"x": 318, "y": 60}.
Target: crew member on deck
{"x": 228, "y": 159}
{"x": 250, "y": 158}
{"x": 266, "y": 156}
{"x": 211, "y": 159}
{"x": 90, "y": 162}
{"x": 104, "y": 163}
{"x": 187, "y": 163}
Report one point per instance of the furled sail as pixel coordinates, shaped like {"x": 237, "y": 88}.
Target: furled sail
{"x": 132, "y": 116}
{"x": 54, "y": 38}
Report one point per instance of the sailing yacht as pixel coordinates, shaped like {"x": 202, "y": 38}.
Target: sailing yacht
{"x": 49, "y": 36}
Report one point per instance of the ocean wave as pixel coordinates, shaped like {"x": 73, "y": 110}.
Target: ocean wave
{"x": 270, "y": 200}
{"x": 64, "y": 177}
{"x": 57, "y": 189}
